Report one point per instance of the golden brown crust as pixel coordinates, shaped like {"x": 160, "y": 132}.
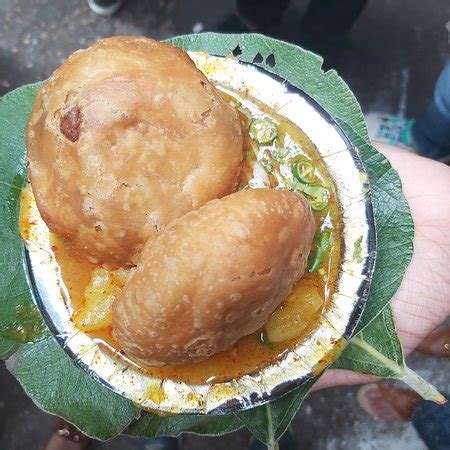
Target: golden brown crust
{"x": 123, "y": 138}
{"x": 213, "y": 275}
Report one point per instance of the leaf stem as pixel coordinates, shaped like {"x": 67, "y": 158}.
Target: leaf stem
{"x": 273, "y": 446}
{"x": 422, "y": 387}
{"x": 426, "y": 390}
{"x": 271, "y": 443}
{"x": 391, "y": 365}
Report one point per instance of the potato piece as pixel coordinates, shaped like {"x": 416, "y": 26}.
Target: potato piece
{"x": 213, "y": 276}
{"x": 124, "y": 137}
{"x": 100, "y": 294}
{"x": 290, "y": 320}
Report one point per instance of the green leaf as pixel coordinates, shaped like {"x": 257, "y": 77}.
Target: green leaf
{"x": 57, "y": 386}
{"x": 394, "y": 233}
{"x": 44, "y": 370}
{"x": 395, "y": 230}
{"x": 270, "y": 421}
{"x": 19, "y": 321}
{"x": 153, "y": 425}
{"x": 381, "y": 335}
{"x": 377, "y": 351}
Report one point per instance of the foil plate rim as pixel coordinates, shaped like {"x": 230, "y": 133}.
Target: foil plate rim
{"x": 296, "y": 366}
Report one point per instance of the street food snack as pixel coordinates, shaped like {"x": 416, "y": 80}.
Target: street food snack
{"x": 193, "y": 247}
{"x": 214, "y": 275}
{"x": 124, "y": 137}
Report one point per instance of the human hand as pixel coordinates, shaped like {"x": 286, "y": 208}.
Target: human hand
{"x": 423, "y": 299}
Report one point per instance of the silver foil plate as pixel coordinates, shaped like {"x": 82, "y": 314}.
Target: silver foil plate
{"x": 294, "y": 367}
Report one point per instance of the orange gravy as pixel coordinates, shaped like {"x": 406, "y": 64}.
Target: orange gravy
{"x": 251, "y": 352}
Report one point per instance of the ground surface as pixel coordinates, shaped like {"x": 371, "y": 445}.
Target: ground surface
{"x": 394, "y": 54}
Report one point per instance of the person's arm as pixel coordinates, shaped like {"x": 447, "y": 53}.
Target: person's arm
{"x": 423, "y": 299}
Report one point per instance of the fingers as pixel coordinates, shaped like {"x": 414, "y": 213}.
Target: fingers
{"x": 339, "y": 377}
{"x": 423, "y": 299}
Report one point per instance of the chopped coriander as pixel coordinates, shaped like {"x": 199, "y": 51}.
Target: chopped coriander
{"x": 264, "y": 340}
{"x": 357, "y": 250}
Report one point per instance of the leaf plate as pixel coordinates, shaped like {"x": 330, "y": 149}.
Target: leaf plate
{"x": 49, "y": 376}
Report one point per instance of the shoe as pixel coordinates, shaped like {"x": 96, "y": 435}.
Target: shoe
{"x": 104, "y": 7}
{"x": 387, "y": 403}
{"x": 437, "y": 343}
{"x": 66, "y": 437}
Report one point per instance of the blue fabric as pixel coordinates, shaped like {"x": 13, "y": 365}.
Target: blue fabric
{"x": 431, "y": 131}
{"x": 432, "y": 422}
{"x": 442, "y": 92}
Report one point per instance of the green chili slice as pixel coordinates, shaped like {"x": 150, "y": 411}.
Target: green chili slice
{"x": 317, "y": 196}
{"x": 263, "y": 131}
{"x": 321, "y": 248}
{"x": 303, "y": 171}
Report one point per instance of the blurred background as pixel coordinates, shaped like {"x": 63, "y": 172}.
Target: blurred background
{"x": 390, "y": 57}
